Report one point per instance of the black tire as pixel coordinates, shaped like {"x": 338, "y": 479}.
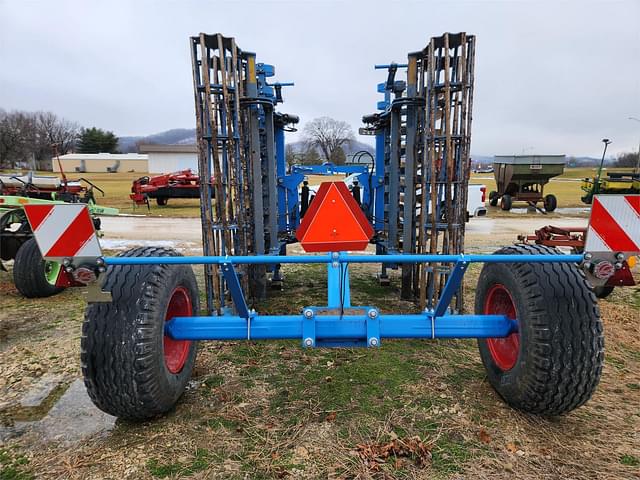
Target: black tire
{"x": 493, "y": 198}
{"x": 162, "y": 201}
{"x": 560, "y": 351}
{"x": 550, "y": 203}
{"x": 123, "y": 344}
{"x": 505, "y": 202}
{"x": 602, "y": 291}
{"x": 30, "y": 272}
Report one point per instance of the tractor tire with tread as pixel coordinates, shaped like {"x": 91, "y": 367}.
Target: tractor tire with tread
{"x": 493, "y": 198}
{"x": 162, "y": 201}
{"x": 505, "y": 202}
{"x": 560, "y": 344}
{"x": 124, "y": 349}
{"x": 30, "y": 272}
{"x": 550, "y": 203}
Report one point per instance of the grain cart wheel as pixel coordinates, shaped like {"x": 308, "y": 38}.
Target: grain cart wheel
{"x": 162, "y": 201}
{"x": 550, "y": 203}
{"x": 131, "y": 368}
{"x": 493, "y": 198}
{"x": 553, "y": 363}
{"x": 34, "y": 276}
{"x": 505, "y": 202}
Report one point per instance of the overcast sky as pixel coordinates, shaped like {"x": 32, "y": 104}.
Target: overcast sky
{"x": 551, "y": 77}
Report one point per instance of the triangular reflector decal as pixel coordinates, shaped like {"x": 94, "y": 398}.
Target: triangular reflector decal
{"x": 334, "y": 222}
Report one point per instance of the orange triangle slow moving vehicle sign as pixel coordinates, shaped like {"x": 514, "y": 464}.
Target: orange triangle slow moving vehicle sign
{"x": 334, "y": 222}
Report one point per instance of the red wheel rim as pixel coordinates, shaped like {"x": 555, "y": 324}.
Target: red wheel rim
{"x": 177, "y": 351}
{"x": 504, "y": 351}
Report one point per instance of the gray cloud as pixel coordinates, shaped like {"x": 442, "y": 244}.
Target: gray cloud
{"x": 557, "y": 75}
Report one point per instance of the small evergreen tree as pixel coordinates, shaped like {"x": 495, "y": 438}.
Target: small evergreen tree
{"x": 96, "y": 140}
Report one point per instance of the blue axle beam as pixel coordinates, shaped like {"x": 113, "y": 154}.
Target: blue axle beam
{"x": 332, "y": 327}
{"x": 342, "y": 258}
{"x": 339, "y": 323}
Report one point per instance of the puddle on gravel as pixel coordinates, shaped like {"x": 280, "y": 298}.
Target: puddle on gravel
{"x": 561, "y": 210}
{"x": 65, "y": 416}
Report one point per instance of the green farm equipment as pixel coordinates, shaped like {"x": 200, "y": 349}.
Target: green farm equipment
{"x": 33, "y": 276}
{"x": 521, "y": 178}
{"x": 615, "y": 183}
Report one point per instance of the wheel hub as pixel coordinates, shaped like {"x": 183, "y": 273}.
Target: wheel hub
{"x": 504, "y": 351}
{"x": 177, "y": 351}
{"x": 51, "y": 271}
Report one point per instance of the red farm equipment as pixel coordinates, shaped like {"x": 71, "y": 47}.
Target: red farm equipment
{"x": 182, "y": 184}
{"x": 574, "y": 240}
{"x": 536, "y": 318}
{"x": 48, "y": 187}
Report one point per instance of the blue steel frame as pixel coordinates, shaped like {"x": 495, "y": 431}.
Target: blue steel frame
{"x": 289, "y": 185}
{"x": 338, "y": 323}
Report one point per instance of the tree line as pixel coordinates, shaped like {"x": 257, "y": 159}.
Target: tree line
{"x": 27, "y": 139}
{"x": 627, "y": 160}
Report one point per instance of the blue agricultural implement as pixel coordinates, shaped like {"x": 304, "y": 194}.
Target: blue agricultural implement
{"x": 536, "y": 318}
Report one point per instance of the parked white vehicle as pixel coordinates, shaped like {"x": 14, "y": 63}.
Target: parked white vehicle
{"x": 476, "y": 197}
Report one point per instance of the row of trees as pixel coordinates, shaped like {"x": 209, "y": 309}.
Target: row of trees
{"x": 27, "y": 139}
{"x": 627, "y": 160}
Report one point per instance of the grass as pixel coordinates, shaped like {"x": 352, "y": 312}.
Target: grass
{"x": 117, "y": 187}
{"x": 14, "y": 466}
{"x": 274, "y": 410}
{"x": 199, "y": 462}
{"x": 630, "y": 460}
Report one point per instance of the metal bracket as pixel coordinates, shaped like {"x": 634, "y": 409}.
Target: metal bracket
{"x": 373, "y": 328}
{"x": 308, "y": 328}
{"x": 95, "y": 294}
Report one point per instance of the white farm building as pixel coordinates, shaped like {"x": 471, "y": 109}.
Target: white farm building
{"x": 170, "y": 158}
{"x": 101, "y": 162}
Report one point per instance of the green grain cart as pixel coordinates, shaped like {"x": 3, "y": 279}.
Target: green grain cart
{"x": 521, "y": 178}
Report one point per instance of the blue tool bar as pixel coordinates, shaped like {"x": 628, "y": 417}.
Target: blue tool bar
{"x": 338, "y": 286}
{"x": 334, "y": 327}
{"x": 399, "y": 65}
{"x": 341, "y": 258}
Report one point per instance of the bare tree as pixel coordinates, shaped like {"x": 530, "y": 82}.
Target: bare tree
{"x": 54, "y": 130}
{"x": 327, "y": 135}
{"x": 26, "y": 138}
{"x": 17, "y": 137}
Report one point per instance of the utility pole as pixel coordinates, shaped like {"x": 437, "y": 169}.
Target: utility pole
{"x": 637, "y": 169}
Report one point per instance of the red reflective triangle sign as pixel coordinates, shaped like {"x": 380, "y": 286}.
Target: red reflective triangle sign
{"x": 334, "y": 222}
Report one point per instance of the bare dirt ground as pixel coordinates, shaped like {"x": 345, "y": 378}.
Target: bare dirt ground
{"x": 481, "y": 232}
{"x": 411, "y": 409}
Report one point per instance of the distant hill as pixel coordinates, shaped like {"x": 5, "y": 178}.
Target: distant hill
{"x": 188, "y": 135}
{"x": 170, "y": 137}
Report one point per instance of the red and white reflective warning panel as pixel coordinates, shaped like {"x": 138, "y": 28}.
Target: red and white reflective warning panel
{"x": 63, "y": 231}
{"x": 614, "y": 225}
{"x": 334, "y": 222}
